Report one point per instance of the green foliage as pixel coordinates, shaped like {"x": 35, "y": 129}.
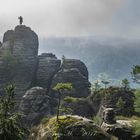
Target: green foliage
{"x": 120, "y": 104}
{"x": 136, "y": 127}
{"x": 95, "y": 87}
{"x": 62, "y": 87}
{"x": 66, "y": 129}
{"x": 122, "y": 109}
{"x": 66, "y": 110}
{"x": 97, "y": 120}
{"x": 125, "y": 84}
{"x": 45, "y": 120}
{"x": 136, "y": 73}
{"x": 69, "y": 99}
{"x": 105, "y": 79}
{"x": 10, "y": 127}
{"x": 137, "y": 101}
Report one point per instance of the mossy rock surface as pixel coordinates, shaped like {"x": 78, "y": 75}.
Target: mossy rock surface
{"x": 70, "y": 128}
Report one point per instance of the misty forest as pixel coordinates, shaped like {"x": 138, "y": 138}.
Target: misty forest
{"x": 70, "y": 70}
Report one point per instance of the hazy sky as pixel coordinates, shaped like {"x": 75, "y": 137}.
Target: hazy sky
{"x": 73, "y": 17}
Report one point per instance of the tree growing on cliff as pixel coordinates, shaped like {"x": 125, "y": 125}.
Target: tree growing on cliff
{"x": 104, "y": 79}
{"x": 136, "y": 73}
{"x": 137, "y": 101}
{"x": 125, "y": 84}
{"x": 120, "y": 105}
{"x": 10, "y": 127}
{"x": 61, "y": 88}
{"x": 95, "y": 87}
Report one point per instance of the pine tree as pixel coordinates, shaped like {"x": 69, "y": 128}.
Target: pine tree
{"x": 61, "y": 88}
{"x": 10, "y": 127}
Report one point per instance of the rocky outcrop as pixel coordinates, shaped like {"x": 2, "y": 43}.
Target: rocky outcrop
{"x": 22, "y": 45}
{"x": 34, "y": 106}
{"x": 74, "y": 63}
{"x": 48, "y": 65}
{"x": 109, "y": 98}
{"x": 116, "y": 128}
{"x": 70, "y": 128}
{"x": 79, "y": 82}
{"x": 122, "y": 132}
{"x": 109, "y": 116}
{"x": 9, "y": 35}
{"x": 77, "y": 106}
{"x": 21, "y": 65}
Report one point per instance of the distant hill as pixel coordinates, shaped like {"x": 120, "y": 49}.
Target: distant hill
{"x": 113, "y": 56}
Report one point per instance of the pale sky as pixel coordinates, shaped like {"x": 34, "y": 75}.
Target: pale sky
{"x": 119, "y": 18}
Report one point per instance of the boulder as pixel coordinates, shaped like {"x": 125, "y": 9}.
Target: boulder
{"x": 122, "y": 132}
{"x": 34, "y": 106}
{"x": 70, "y": 128}
{"x": 109, "y": 116}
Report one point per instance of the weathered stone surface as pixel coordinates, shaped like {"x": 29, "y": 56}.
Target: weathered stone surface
{"x": 70, "y": 128}
{"x": 5, "y": 50}
{"x": 47, "y": 67}
{"x": 78, "y": 106}
{"x": 79, "y": 82}
{"x": 31, "y": 70}
{"x": 8, "y": 36}
{"x": 75, "y": 63}
{"x": 34, "y": 105}
{"x": 25, "y": 50}
{"x": 122, "y": 132}
{"x": 109, "y": 116}
{"x": 114, "y": 93}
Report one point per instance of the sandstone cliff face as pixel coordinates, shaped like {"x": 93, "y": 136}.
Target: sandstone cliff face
{"x": 22, "y": 44}
{"x": 74, "y": 63}
{"x": 80, "y": 83}
{"x": 34, "y": 106}
{"x": 25, "y": 50}
{"x": 48, "y": 66}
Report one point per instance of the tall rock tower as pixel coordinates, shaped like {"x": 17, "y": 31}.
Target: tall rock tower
{"x": 18, "y": 54}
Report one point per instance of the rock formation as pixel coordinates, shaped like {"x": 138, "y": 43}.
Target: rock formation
{"x": 115, "y": 128}
{"x": 48, "y": 66}
{"x": 70, "y": 128}
{"x": 34, "y": 76}
{"x": 21, "y": 44}
{"x": 34, "y": 106}
{"x": 72, "y": 74}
